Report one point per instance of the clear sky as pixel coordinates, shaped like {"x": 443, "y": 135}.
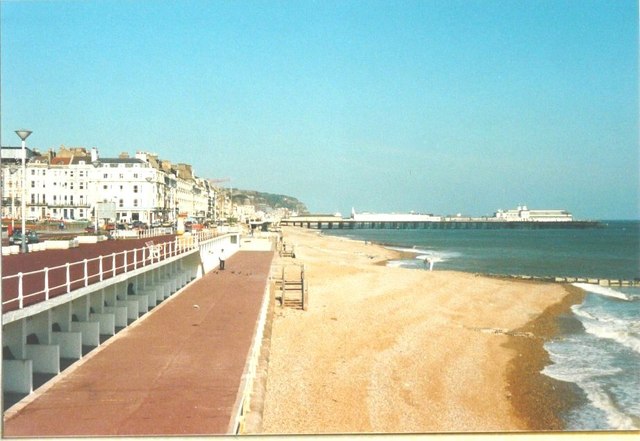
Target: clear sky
{"x": 437, "y": 106}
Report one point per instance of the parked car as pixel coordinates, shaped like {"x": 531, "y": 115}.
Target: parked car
{"x": 16, "y": 237}
{"x": 91, "y": 229}
{"x": 139, "y": 225}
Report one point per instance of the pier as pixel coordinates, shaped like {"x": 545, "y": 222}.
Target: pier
{"x": 333, "y": 222}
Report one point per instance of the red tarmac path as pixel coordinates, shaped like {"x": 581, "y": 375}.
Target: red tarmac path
{"x": 176, "y": 371}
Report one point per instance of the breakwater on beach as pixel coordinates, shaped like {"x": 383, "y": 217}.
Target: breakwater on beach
{"x": 585, "y": 280}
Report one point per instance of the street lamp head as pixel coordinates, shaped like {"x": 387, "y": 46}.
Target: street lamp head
{"x": 23, "y": 134}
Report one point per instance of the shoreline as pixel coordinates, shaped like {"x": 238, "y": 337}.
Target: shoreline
{"x": 358, "y": 366}
{"x": 532, "y": 392}
{"x": 535, "y": 394}
{"x": 538, "y": 399}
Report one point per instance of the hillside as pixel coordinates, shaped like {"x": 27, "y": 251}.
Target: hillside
{"x": 251, "y": 197}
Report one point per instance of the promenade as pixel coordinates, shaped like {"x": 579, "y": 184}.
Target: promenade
{"x": 35, "y": 261}
{"x": 176, "y": 371}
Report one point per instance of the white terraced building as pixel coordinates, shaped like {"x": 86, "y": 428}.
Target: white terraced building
{"x": 522, "y": 213}
{"x": 68, "y": 185}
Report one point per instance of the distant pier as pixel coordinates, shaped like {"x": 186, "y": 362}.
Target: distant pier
{"x": 333, "y": 222}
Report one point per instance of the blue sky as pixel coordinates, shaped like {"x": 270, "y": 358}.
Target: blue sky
{"x": 437, "y": 106}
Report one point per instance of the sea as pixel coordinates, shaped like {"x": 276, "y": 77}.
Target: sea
{"x": 598, "y": 348}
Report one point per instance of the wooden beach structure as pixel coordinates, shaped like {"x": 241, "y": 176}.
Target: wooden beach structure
{"x": 291, "y": 288}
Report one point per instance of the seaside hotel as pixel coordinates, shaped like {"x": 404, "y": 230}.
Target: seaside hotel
{"x": 69, "y": 184}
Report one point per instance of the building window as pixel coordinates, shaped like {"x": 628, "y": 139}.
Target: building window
{"x": 135, "y": 176}
{"x": 135, "y": 188}
{"x": 104, "y": 187}
{"x": 135, "y": 202}
{"x": 33, "y": 184}
{"x": 105, "y": 176}
{"x": 121, "y": 203}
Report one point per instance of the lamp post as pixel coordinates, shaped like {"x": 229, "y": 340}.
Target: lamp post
{"x": 24, "y": 134}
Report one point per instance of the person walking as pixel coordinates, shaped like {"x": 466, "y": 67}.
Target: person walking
{"x": 221, "y": 258}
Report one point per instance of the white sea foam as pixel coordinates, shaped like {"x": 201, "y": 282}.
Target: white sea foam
{"x": 603, "y": 291}
{"x": 601, "y": 399}
{"x": 624, "y": 331}
{"x": 586, "y": 373}
{"x": 423, "y": 254}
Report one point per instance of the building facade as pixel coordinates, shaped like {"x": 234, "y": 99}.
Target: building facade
{"x": 67, "y": 186}
{"x": 524, "y": 214}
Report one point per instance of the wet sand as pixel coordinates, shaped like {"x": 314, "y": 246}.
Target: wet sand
{"x": 393, "y": 350}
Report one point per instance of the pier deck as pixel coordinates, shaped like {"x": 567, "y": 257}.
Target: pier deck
{"x": 351, "y": 224}
{"x": 177, "y": 371}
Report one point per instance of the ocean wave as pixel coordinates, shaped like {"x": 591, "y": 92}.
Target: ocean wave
{"x": 624, "y": 331}
{"x": 426, "y": 252}
{"x": 404, "y": 263}
{"x": 603, "y": 291}
{"x": 587, "y": 373}
{"x": 601, "y": 399}
{"x": 424, "y": 255}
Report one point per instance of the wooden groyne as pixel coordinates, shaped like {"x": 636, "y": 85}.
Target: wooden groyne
{"x": 558, "y": 279}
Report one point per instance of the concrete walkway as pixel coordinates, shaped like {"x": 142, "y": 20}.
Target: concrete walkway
{"x": 176, "y": 371}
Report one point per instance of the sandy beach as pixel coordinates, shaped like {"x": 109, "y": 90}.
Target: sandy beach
{"x": 384, "y": 349}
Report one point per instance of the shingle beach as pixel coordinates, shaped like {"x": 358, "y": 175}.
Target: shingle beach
{"x": 393, "y": 350}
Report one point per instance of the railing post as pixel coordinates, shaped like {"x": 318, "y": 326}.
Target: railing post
{"x": 100, "y": 267}
{"x": 86, "y": 272}
{"x": 113, "y": 264}
{"x": 135, "y": 258}
{"x": 20, "y": 293}
{"x": 68, "y": 266}
{"x": 46, "y": 283}
{"x": 125, "y": 260}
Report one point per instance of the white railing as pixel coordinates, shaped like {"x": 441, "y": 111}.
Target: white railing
{"x": 51, "y": 282}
